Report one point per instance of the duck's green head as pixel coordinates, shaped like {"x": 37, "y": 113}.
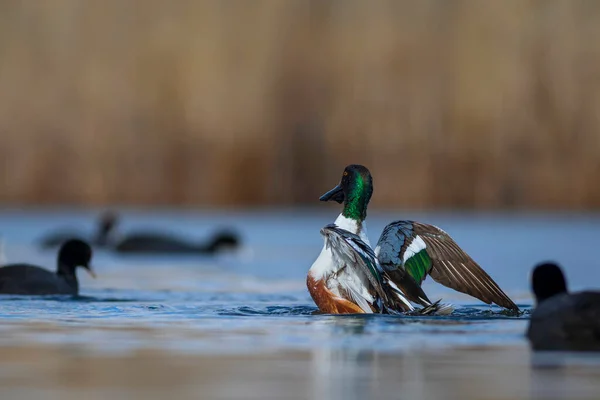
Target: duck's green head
{"x": 355, "y": 190}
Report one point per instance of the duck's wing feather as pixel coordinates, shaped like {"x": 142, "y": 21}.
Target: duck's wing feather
{"x": 422, "y": 249}
{"x": 405, "y": 282}
{"x": 355, "y": 253}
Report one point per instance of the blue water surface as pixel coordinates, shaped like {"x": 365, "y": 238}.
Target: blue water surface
{"x": 255, "y": 299}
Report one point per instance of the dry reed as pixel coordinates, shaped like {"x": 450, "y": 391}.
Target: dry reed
{"x": 463, "y": 104}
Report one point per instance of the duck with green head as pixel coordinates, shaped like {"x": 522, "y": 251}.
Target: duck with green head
{"x": 347, "y": 276}
{"x": 409, "y": 251}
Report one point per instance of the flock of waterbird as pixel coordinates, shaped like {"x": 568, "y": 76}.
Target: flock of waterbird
{"x": 107, "y": 237}
{"x": 75, "y": 250}
{"x": 350, "y": 276}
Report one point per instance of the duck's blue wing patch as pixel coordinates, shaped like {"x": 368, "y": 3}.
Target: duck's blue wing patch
{"x": 400, "y": 247}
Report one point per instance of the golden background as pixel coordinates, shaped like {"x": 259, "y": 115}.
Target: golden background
{"x": 451, "y": 104}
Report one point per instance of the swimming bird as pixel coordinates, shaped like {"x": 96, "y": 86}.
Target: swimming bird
{"x": 346, "y": 278}
{"x": 27, "y": 279}
{"x": 409, "y": 251}
{"x": 562, "y": 320}
{"x": 107, "y": 222}
{"x": 145, "y": 241}
{"x": 157, "y": 243}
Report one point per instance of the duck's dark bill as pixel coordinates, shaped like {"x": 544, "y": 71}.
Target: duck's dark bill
{"x": 335, "y": 194}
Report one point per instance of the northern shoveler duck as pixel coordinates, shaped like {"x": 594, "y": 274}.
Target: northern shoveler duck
{"x": 562, "y": 320}
{"x": 29, "y": 279}
{"x": 347, "y": 278}
{"x": 408, "y": 251}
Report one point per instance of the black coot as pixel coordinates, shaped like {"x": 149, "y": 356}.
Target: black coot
{"x": 26, "y": 279}
{"x": 562, "y": 320}
{"x": 156, "y": 243}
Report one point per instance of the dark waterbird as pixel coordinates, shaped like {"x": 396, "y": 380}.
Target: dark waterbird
{"x": 562, "y": 320}
{"x": 106, "y": 224}
{"x": 144, "y": 242}
{"x": 27, "y": 279}
{"x": 157, "y": 243}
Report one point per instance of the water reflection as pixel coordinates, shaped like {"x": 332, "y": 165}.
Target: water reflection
{"x": 341, "y": 373}
{"x": 563, "y": 375}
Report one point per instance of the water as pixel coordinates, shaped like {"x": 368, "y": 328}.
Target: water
{"x": 253, "y": 303}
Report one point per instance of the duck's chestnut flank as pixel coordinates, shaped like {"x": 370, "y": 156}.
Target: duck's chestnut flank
{"x": 327, "y": 302}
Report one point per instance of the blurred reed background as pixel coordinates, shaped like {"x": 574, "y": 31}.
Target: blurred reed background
{"x": 451, "y": 104}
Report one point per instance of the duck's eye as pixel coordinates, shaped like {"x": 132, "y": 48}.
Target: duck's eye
{"x": 345, "y": 173}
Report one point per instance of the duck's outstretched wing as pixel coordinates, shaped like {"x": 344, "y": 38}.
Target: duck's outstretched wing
{"x": 422, "y": 249}
{"x": 354, "y": 253}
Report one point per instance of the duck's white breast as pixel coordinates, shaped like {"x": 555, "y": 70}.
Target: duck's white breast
{"x": 352, "y": 280}
{"x": 323, "y": 265}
